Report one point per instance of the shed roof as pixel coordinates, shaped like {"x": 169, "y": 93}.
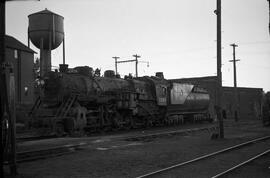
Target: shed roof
{"x": 202, "y": 79}
{"x": 13, "y": 43}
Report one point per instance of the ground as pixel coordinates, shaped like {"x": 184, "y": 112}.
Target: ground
{"x": 110, "y": 157}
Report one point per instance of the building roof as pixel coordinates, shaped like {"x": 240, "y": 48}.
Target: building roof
{"x": 205, "y": 79}
{"x": 213, "y": 79}
{"x": 226, "y": 88}
{"x": 13, "y": 43}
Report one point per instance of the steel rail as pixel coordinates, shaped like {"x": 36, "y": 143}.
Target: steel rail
{"x": 154, "y": 133}
{"x": 241, "y": 164}
{"x": 174, "y": 132}
{"x": 33, "y": 138}
{"x": 32, "y": 155}
{"x": 205, "y": 156}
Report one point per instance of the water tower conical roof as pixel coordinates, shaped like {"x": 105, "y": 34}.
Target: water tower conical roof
{"x": 45, "y": 11}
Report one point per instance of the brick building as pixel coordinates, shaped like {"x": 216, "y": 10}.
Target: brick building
{"x": 250, "y": 101}
{"x": 22, "y": 60}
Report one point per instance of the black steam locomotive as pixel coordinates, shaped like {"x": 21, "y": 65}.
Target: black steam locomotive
{"x": 80, "y": 100}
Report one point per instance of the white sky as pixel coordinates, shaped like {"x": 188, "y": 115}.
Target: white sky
{"x": 176, "y": 37}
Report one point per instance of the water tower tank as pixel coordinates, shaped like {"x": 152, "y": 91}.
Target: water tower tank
{"x": 46, "y": 31}
{"x": 48, "y": 27}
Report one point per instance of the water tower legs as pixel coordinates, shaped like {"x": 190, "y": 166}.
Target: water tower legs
{"x": 64, "y": 52}
{"x": 45, "y": 62}
{"x": 45, "y": 59}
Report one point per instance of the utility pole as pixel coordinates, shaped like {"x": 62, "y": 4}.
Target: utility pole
{"x": 3, "y": 87}
{"x": 7, "y": 101}
{"x": 219, "y": 73}
{"x": 269, "y": 16}
{"x": 8, "y": 117}
{"x": 115, "y": 59}
{"x": 136, "y": 59}
{"x": 236, "y": 96}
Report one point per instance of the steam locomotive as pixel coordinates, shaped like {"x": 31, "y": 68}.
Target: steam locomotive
{"x": 80, "y": 100}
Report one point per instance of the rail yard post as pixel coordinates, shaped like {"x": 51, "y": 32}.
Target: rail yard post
{"x": 136, "y": 65}
{"x": 219, "y": 73}
{"x": 3, "y": 101}
{"x": 7, "y": 116}
{"x": 236, "y": 94}
{"x": 115, "y": 60}
{"x": 269, "y": 16}
{"x": 64, "y": 51}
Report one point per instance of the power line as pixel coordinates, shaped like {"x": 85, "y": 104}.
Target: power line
{"x": 254, "y": 42}
{"x": 125, "y": 61}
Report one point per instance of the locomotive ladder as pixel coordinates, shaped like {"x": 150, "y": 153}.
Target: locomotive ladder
{"x": 65, "y": 106}
{"x": 35, "y": 107}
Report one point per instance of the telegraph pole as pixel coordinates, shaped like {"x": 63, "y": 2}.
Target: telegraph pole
{"x": 236, "y": 96}
{"x": 115, "y": 59}
{"x": 133, "y": 60}
{"x": 269, "y": 16}
{"x": 7, "y": 104}
{"x": 8, "y": 117}
{"x": 219, "y": 73}
{"x": 3, "y": 87}
{"x": 136, "y": 59}
{"x": 125, "y": 61}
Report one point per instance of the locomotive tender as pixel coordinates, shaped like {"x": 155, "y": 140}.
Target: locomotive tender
{"x": 80, "y": 100}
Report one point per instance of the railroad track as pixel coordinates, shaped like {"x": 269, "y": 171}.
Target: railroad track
{"x": 66, "y": 149}
{"x": 170, "y": 133}
{"x": 241, "y": 164}
{"x": 194, "y": 167}
{"x": 46, "y": 153}
{"x": 21, "y": 138}
{"x": 33, "y": 138}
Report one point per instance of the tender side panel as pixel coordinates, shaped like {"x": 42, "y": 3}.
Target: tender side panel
{"x": 179, "y": 93}
{"x": 187, "y": 99}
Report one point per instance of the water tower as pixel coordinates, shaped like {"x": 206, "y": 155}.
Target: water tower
{"x": 46, "y": 32}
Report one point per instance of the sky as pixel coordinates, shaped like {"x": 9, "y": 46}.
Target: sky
{"x": 176, "y": 37}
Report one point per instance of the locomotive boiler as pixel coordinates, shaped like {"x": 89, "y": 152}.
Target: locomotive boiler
{"x": 81, "y": 100}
